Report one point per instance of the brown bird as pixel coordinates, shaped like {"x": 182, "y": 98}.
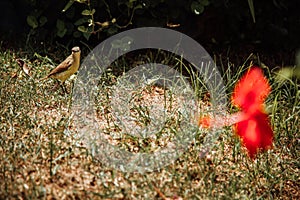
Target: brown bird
{"x": 67, "y": 68}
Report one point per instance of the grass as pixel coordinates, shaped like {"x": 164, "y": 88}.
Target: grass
{"x": 39, "y": 159}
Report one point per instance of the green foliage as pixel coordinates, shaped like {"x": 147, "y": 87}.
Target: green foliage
{"x": 91, "y": 19}
{"x": 289, "y": 72}
{"x": 61, "y": 28}
{"x": 251, "y": 7}
{"x": 198, "y": 6}
{"x": 86, "y": 18}
{"x": 32, "y": 21}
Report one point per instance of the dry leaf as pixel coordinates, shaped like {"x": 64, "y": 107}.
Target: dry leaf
{"x": 172, "y": 25}
{"x": 24, "y": 66}
{"x": 14, "y": 75}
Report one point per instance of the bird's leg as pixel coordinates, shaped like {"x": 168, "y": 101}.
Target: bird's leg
{"x": 55, "y": 86}
{"x": 63, "y": 86}
{"x": 70, "y": 96}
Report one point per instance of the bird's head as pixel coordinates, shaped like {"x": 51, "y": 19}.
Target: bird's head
{"x": 75, "y": 50}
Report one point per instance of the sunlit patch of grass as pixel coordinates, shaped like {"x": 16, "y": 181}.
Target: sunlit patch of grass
{"x": 39, "y": 158}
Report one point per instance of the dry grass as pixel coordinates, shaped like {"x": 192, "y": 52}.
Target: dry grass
{"x": 39, "y": 159}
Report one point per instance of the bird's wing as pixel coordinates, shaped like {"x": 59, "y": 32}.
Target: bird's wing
{"x": 64, "y": 66}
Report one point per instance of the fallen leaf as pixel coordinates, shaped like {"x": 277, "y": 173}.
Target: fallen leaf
{"x": 24, "y": 66}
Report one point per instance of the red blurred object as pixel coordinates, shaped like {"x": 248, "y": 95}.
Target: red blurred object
{"x": 254, "y": 126}
{"x": 251, "y": 91}
{"x": 251, "y": 123}
{"x": 255, "y": 132}
{"x": 204, "y": 122}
